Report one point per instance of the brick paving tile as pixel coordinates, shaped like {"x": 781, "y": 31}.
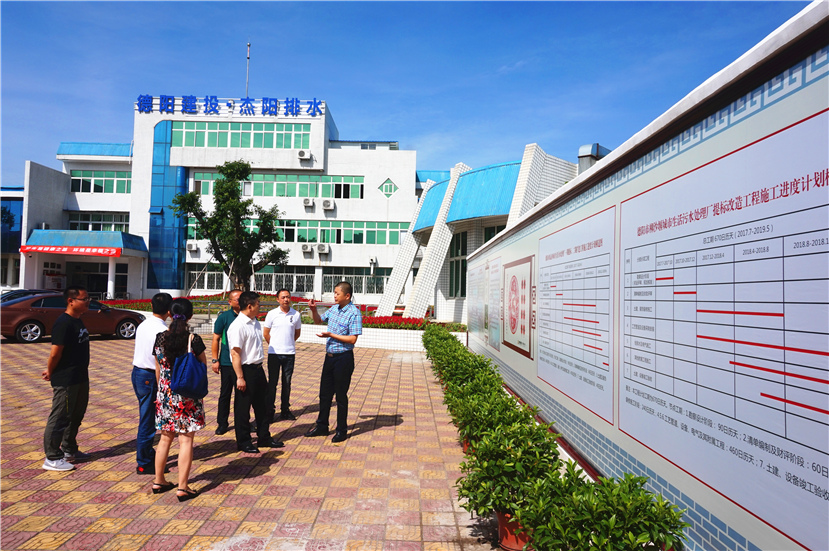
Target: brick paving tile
{"x": 389, "y": 487}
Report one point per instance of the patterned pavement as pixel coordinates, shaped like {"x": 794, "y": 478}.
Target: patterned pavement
{"x": 389, "y": 487}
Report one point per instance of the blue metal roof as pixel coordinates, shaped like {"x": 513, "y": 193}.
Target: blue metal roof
{"x": 483, "y": 192}
{"x": 431, "y": 206}
{"x": 434, "y": 175}
{"x": 102, "y": 149}
{"x": 78, "y": 238}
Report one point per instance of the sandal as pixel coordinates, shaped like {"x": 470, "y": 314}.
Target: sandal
{"x": 188, "y": 494}
{"x": 161, "y": 488}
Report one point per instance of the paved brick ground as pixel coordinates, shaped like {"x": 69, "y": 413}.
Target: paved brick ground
{"x": 389, "y": 487}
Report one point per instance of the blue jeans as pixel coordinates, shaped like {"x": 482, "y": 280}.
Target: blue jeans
{"x": 146, "y": 389}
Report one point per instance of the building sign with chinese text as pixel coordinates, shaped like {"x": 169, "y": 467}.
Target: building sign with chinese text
{"x": 211, "y": 105}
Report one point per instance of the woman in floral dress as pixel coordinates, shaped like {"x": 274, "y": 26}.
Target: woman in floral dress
{"x": 176, "y": 414}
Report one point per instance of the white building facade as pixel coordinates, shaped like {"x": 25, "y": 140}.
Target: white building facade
{"x": 106, "y": 220}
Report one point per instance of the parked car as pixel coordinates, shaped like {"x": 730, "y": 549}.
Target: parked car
{"x": 20, "y": 293}
{"x": 30, "y": 318}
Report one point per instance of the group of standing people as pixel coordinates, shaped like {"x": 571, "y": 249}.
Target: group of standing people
{"x": 237, "y": 355}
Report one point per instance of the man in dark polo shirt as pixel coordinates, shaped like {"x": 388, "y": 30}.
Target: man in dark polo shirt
{"x": 68, "y": 371}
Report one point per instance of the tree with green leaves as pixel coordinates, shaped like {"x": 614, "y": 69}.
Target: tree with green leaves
{"x": 240, "y": 249}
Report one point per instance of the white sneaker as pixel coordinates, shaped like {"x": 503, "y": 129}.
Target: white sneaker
{"x": 58, "y": 465}
{"x": 77, "y": 457}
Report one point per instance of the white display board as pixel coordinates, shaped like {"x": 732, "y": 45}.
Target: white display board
{"x": 726, "y": 327}
{"x": 494, "y": 313}
{"x": 575, "y": 312}
{"x": 678, "y": 308}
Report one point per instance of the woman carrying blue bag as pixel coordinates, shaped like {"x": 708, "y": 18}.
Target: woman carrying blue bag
{"x": 176, "y": 414}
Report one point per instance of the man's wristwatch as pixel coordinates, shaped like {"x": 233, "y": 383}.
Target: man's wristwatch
{"x": 214, "y": 360}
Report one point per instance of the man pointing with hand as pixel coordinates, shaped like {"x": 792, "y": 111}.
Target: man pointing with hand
{"x": 345, "y": 323}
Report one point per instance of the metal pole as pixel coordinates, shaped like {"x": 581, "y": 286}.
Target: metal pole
{"x": 247, "y": 75}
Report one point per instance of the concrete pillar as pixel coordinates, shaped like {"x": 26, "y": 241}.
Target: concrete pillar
{"x": 111, "y": 277}
{"x": 435, "y": 255}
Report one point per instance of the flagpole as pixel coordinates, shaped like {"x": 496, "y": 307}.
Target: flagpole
{"x": 247, "y": 74}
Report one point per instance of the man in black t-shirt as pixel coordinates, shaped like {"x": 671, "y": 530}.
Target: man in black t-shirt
{"x": 68, "y": 371}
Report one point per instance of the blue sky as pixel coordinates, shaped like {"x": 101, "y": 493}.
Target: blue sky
{"x": 457, "y": 81}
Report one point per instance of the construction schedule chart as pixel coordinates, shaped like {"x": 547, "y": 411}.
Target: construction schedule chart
{"x": 725, "y": 326}
{"x": 575, "y": 312}
{"x": 735, "y": 323}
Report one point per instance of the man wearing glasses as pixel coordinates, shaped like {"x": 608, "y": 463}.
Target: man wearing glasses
{"x": 68, "y": 371}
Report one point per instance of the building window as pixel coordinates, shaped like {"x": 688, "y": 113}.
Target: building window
{"x": 246, "y": 135}
{"x": 388, "y": 188}
{"x": 288, "y": 185}
{"x": 457, "y": 266}
{"x": 492, "y": 231}
{"x": 297, "y": 279}
{"x": 205, "y": 277}
{"x": 368, "y": 146}
{"x": 361, "y": 279}
{"x": 325, "y": 231}
{"x": 100, "y": 181}
{"x": 99, "y": 221}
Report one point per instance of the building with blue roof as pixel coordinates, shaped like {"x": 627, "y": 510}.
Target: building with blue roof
{"x": 459, "y": 210}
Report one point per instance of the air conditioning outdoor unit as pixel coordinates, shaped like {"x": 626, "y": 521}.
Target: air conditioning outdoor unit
{"x": 327, "y": 204}
{"x": 304, "y": 154}
{"x": 308, "y": 202}
{"x": 307, "y": 248}
{"x": 323, "y": 248}
{"x": 192, "y": 247}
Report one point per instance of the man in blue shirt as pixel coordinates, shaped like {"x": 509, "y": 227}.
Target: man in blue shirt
{"x": 345, "y": 323}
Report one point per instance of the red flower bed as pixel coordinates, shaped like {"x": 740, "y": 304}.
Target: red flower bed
{"x": 394, "y": 322}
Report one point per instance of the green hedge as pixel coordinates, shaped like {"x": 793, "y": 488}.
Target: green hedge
{"x": 513, "y": 467}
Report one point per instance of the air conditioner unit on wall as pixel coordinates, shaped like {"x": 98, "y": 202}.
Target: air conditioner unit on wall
{"x": 307, "y": 248}
{"x": 308, "y": 202}
{"x": 304, "y": 154}
{"x": 323, "y": 248}
{"x": 327, "y": 204}
{"x": 192, "y": 247}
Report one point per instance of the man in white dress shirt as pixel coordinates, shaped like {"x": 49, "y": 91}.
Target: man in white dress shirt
{"x": 144, "y": 383}
{"x": 244, "y": 338}
{"x": 281, "y": 330}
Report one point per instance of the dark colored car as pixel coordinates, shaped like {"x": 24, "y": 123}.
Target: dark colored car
{"x": 20, "y": 293}
{"x": 30, "y": 318}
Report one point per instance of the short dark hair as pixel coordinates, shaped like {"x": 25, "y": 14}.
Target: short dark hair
{"x": 279, "y": 292}
{"x": 345, "y": 287}
{"x": 247, "y": 298}
{"x": 161, "y": 303}
{"x": 72, "y": 292}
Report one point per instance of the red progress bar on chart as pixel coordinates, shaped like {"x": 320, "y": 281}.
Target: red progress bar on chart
{"x": 775, "y": 346}
{"x": 552, "y": 286}
{"x": 588, "y": 333}
{"x": 605, "y": 363}
{"x": 663, "y": 278}
{"x": 685, "y": 292}
{"x": 593, "y": 347}
{"x": 571, "y": 304}
{"x": 777, "y": 372}
{"x": 792, "y": 403}
{"x": 775, "y": 314}
{"x": 559, "y": 294}
{"x": 577, "y": 319}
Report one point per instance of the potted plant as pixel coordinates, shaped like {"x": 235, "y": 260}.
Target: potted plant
{"x": 567, "y": 512}
{"x": 498, "y": 476}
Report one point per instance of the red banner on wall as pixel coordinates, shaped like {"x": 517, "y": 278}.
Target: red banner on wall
{"x": 84, "y": 251}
